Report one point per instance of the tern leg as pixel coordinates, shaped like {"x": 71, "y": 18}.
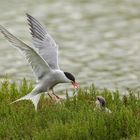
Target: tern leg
{"x": 50, "y": 95}
{"x": 56, "y": 95}
{"x": 53, "y": 96}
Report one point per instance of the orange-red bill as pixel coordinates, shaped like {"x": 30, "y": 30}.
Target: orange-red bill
{"x": 75, "y": 85}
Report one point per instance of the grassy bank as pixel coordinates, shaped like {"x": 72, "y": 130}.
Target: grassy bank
{"x": 74, "y": 119}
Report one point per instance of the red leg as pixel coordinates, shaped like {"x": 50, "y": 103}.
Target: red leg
{"x": 53, "y": 96}
{"x": 50, "y": 95}
{"x": 56, "y": 95}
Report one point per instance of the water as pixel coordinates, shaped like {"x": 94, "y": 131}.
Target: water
{"x": 99, "y": 41}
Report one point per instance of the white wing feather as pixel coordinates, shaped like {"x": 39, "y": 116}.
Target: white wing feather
{"x": 39, "y": 66}
{"x": 45, "y": 44}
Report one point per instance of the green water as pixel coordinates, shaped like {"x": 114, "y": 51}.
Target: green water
{"x": 99, "y": 41}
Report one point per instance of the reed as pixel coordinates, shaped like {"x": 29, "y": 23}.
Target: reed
{"x": 73, "y": 119}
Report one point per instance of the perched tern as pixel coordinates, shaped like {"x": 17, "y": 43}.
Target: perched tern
{"x": 101, "y": 104}
{"x": 43, "y": 59}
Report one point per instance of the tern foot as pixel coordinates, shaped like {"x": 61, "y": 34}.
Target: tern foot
{"x": 56, "y": 98}
{"x": 59, "y": 100}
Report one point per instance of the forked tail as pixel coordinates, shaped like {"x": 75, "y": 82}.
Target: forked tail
{"x": 33, "y": 97}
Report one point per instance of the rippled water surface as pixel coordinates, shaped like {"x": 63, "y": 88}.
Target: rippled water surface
{"x": 99, "y": 41}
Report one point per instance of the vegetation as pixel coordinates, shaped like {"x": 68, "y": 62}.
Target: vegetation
{"x": 73, "y": 119}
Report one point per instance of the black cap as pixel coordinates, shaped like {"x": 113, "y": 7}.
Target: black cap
{"x": 69, "y": 76}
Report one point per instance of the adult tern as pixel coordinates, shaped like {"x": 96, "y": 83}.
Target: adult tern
{"x": 44, "y": 61}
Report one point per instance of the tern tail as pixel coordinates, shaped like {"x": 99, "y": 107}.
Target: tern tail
{"x": 31, "y": 96}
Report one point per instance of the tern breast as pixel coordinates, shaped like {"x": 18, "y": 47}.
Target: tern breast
{"x": 51, "y": 79}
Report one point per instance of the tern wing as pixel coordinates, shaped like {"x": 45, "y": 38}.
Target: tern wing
{"x": 45, "y": 44}
{"x": 39, "y": 66}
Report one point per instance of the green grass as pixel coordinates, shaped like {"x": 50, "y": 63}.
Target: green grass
{"x": 74, "y": 119}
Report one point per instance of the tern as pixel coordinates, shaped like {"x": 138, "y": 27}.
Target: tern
{"x": 101, "y": 104}
{"x": 43, "y": 58}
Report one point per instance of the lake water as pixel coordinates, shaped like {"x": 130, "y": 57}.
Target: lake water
{"x": 99, "y": 41}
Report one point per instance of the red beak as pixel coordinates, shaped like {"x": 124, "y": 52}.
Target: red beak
{"x": 75, "y": 84}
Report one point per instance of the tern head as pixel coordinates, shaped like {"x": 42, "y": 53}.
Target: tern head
{"x": 100, "y": 101}
{"x": 100, "y": 104}
{"x": 71, "y": 78}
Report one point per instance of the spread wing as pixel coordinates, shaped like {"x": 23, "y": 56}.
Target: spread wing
{"x": 45, "y": 44}
{"x": 39, "y": 66}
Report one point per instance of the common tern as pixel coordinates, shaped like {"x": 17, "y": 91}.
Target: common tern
{"x": 101, "y": 104}
{"x": 43, "y": 58}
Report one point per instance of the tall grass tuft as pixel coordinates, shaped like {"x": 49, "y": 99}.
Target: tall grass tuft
{"x": 73, "y": 119}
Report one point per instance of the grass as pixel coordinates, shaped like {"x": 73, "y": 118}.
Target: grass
{"x": 74, "y": 119}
